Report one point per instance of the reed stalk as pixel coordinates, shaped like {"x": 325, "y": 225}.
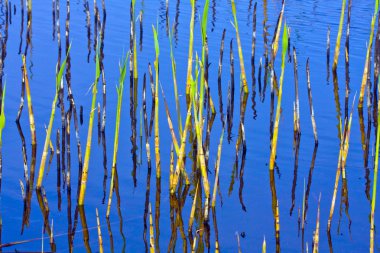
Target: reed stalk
{"x": 368, "y": 55}
{"x": 339, "y": 36}
{"x": 200, "y": 152}
{"x": 241, "y": 58}
{"x": 182, "y": 153}
{"x": 174, "y": 73}
{"x": 100, "y": 240}
{"x": 29, "y": 99}
{"x": 2, "y": 125}
{"x": 151, "y": 231}
{"x": 311, "y": 103}
{"x": 374, "y": 188}
{"x": 123, "y": 71}
{"x": 343, "y": 151}
{"x": 190, "y": 56}
{"x": 316, "y": 234}
{"x": 156, "y": 108}
{"x": 264, "y": 247}
{"x": 59, "y": 81}
{"x": 277, "y": 32}
{"x": 89, "y": 133}
{"x": 278, "y": 108}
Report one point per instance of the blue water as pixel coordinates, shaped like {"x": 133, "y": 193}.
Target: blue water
{"x": 308, "y": 22}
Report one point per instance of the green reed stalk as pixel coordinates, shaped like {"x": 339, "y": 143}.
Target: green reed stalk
{"x": 241, "y": 59}
{"x": 174, "y": 73}
{"x": 2, "y": 125}
{"x": 190, "y": 57}
{"x": 200, "y": 152}
{"x": 182, "y": 153}
{"x": 2, "y": 116}
{"x": 374, "y": 188}
{"x": 204, "y": 46}
{"x": 278, "y": 108}
{"x": 89, "y": 133}
{"x": 368, "y": 55}
{"x": 29, "y": 99}
{"x": 156, "y": 111}
{"x": 339, "y": 36}
{"x": 58, "y": 82}
{"x": 123, "y": 71}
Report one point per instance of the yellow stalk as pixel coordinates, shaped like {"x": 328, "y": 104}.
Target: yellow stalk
{"x": 156, "y": 109}
{"x": 29, "y": 99}
{"x": 89, "y": 134}
{"x": 368, "y": 55}
{"x": 151, "y": 230}
{"x": 339, "y": 36}
{"x": 191, "y": 42}
{"x": 278, "y": 108}
{"x": 99, "y": 232}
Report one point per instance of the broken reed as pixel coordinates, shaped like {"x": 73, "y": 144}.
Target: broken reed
{"x": 89, "y": 133}
{"x": 123, "y": 70}
{"x": 276, "y": 37}
{"x": 58, "y": 84}
{"x": 314, "y": 125}
{"x": 368, "y": 55}
{"x": 278, "y": 108}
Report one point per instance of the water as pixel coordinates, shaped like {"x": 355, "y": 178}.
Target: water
{"x": 308, "y": 21}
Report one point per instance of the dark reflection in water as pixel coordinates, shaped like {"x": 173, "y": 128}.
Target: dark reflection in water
{"x": 253, "y": 61}
{"x": 231, "y": 94}
{"x": 176, "y": 23}
{"x": 44, "y": 207}
{"x": 309, "y": 181}
{"x": 265, "y": 37}
{"x": 220, "y": 94}
{"x": 88, "y": 26}
{"x": 86, "y": 235}
{"x": 337, "y": 104}
{"x": 28, "y": 30}
{"x": 243, "y": 157}
{"x": 275, "y": 209}
{"x": 22, "y": 25}
{"x": 328, "y": 54}
{"x": 53, "y": 18}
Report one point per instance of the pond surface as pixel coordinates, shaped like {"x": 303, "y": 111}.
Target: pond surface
{"x": 308, "y": 21}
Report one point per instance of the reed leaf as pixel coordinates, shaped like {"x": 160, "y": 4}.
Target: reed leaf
{"x": 119, "y": 89}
